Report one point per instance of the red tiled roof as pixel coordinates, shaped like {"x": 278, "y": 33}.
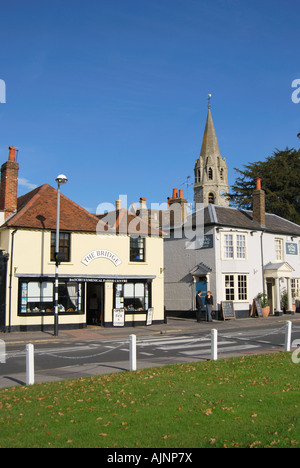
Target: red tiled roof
{"x": 37, "y": 210}
{"x": 124, "y": 222}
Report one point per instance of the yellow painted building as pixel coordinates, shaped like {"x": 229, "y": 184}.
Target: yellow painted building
{"x": 111, "y": 275}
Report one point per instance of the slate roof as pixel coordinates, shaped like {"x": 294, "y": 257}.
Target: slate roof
{"x": 243, "y": 219}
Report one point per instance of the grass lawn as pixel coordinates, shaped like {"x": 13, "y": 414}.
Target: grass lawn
{"x": 251, "y": 401}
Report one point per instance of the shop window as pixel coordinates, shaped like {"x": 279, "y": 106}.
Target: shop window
{"x": 229, "y": 287}
{"x": 236, "y": 287}
{"x": 137, "y": 249}
{"x": 64, "y": 245}
{"x": 37, "y": 297}
{"x": 242, "y": 287}
{"x": 69, "y": 296}
{"x": 132, "y": 296}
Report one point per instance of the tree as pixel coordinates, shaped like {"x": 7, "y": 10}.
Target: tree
{"x": 280, "y": 177}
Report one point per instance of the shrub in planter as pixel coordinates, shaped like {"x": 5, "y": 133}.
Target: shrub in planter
{"x": 264, "y": 304}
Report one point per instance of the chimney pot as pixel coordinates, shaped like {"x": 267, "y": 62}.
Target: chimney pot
{"x": 258, "y": 183}
{"x": 180, "y": 193}
{"x": 12, "y": 153}
{"x": 174, "y": 193}
{"x": 259, "y": 209}
{"x": 118, "y": 204}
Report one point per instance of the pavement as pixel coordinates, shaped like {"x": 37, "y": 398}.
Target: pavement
{"x": 173, "y": 326}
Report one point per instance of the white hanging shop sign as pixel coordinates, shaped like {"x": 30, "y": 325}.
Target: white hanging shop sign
{"x": 101, "y": 254}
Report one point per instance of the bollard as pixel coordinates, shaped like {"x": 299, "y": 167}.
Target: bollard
{"x": 29, "y": 364}
{"x": 214, "y": 344}
{"x": 288, "y": 336}
{"x": 2, "y": 352}
{"x": 132, "y": 352}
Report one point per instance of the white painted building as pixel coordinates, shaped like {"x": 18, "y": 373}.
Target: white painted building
{"x": 238, "y": 260}
{"x": 240, "y": 254}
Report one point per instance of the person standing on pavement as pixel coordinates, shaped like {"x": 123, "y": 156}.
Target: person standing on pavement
{"x": 199, "y": 305}
{"x": 209, "y": 305}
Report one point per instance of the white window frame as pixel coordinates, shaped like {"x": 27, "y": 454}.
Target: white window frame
{"x": 295, "y": 287}
{"x": 238, "y": 245}
{"x": 278, "y": 249}
{"x": 232, "y": 282}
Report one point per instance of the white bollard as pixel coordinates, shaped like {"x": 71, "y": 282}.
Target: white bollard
{"x": 29, "y": 364}
{"x": 132, "y": 352}
{"x": 214, "y": 344}
{"x": 2, "y": 352}
{"x": 288, "y": 336}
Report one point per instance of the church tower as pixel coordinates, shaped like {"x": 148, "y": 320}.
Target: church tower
{"x": 211, "y": 180}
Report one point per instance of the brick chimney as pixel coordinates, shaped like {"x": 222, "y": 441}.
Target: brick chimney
{"x": 9, "y": 184}
{"x": 259, "y": 205}
{"x": 178, "y": 208}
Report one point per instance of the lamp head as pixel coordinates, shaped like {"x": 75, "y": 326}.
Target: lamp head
{"x": 61, "y": 179}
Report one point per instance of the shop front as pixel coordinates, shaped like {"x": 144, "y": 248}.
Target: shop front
{"x": 94, "y": 300}
{"x": 107, "y": 268}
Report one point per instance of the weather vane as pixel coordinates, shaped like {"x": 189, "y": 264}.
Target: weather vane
{"x": 209, "y": 99}
{"x": 187, "y": 183}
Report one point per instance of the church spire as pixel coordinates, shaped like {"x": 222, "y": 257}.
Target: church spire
{"x": 210, "y": 169}
{"x": 210, "y": 145}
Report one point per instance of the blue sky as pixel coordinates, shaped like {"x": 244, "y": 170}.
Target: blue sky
{"x": 114, "y": 93}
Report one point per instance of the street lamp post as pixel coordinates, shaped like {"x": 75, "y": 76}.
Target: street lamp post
{"x": 61, "y": 179}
